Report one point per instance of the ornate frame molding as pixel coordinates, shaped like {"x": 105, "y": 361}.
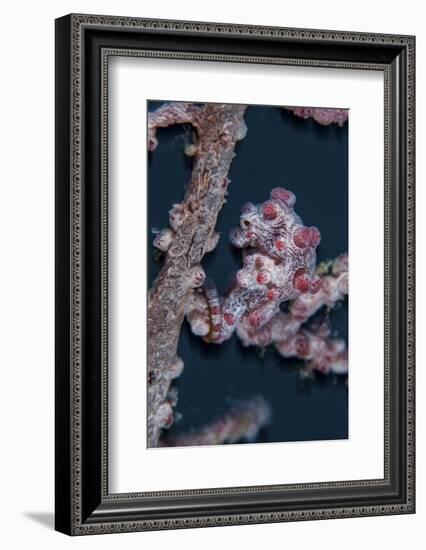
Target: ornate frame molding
{"x": 85, "y": 507}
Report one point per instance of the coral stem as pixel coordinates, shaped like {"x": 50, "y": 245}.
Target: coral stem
{"x": 192, "y": 224}
{"x": 242, "y": 422}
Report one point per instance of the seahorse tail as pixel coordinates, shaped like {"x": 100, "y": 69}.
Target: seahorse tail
{"x": 215, "y": 313}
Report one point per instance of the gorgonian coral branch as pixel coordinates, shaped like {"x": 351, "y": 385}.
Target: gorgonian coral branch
{"x": 321, "y": 352}
{"x": 191, "y": 235}
{"x": 323, "y": 116}
{"x": 241, "y": 422}
{"x": 170, "y": 114}
{"x": 287, "y": 331}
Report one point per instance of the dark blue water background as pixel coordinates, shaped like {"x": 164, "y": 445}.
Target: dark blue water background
{"x": 312, "y": 161}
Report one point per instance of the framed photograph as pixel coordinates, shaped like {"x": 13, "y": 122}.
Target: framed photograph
{"x": 234, "y": 274}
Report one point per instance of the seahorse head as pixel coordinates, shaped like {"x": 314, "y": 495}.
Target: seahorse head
{"x": 267, "y": 226}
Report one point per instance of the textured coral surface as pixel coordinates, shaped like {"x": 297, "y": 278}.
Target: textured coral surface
{"x": 323, "y": 116}
{"x": 190, "y": 235}
{"x": 274, "y": 295}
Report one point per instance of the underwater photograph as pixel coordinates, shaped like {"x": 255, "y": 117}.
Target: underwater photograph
{"x": 247, "y": 273}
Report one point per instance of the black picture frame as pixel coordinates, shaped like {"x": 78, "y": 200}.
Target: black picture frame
{"x": 83, "y": 504}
